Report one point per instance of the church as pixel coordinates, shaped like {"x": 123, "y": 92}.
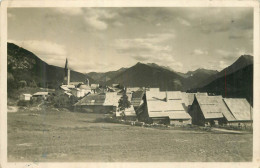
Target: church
{"x": 78, "y": 89}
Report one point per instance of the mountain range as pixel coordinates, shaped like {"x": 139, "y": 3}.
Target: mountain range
{"x": 235, "y": 80}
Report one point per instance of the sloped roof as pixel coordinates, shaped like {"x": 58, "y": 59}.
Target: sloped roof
{"x": 27, "y": 94}
{"x": 210, "y": 106}
{"x": 132, "y": 89}
{"x": 240, "y": 108}
{"x": 173, "y": 95}
{"x": 129, "y": 112}
{"x": 40, "y": 93}
{"x": 202, "y": 93}
{"x": 64, "y": 87}
{"x": 94, "y": 86}
{"x": 112, "y": 98}
{"x": 155, "y": 95}
{"x": 86, "y": 87}
{"x": 93, "y": 99}
{"x": 76, "y": 83}
{"x": 188, "y": 98}
{"x": 67, "y": 93}
{"x": 153, "y": 89}
{"x": 159, "y": 107}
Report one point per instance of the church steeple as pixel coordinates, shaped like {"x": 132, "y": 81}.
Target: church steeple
{"x": 67, "y": 72}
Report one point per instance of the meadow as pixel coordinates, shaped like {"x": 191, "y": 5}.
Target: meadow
{"x": 51, "y": 135}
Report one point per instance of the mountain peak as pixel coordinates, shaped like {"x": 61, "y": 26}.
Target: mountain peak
{"x": 249, "y": 58}
{"x": 242, "y": 61}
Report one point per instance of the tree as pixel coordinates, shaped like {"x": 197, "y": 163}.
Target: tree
{"x": 123, "y": 103}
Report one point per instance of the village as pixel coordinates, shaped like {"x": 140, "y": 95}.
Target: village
{"x": 141, "y": 105}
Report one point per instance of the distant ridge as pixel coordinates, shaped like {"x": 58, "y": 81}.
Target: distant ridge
{"x": 143, "y": 75}
{"x": 240, "y": 63}
{"x": 24, "y": 65}
{"x": 239, "y": 80}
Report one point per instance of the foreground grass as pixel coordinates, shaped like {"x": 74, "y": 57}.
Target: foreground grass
{"x": 51, "y": 135}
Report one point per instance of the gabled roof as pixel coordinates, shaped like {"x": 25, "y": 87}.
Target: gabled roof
{"x": 129, "y": 112}
{"x": 93, "y": 99}
{"x": 174, "y": 95}
{"x": 131, "y": 89}
{"x": 159, "y": 107}
{"x": 76, "y": 83}
{"x": 86, "y": 87}
{"x": 112, "y": 99}
{"x": 153, "y": 89}
{"x": 94, "y": 86}
{"x": 211, "y": 106}
{"x": 27, "y": 94}
{"x": 105, "y": 99}
{"x": 64, "y": 87}
{"x": 188, "y": 98}
{"x": 240, "y": 108}
{"x": 40, "y": 93}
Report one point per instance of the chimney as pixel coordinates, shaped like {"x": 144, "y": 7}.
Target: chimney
{"x": 166, "y": 99}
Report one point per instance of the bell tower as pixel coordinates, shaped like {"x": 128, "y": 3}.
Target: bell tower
{"x": 67, "y": 73}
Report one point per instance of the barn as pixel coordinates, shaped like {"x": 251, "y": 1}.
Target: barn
{"x": 26, "y": 97}
{"x": 209, "y": 110}
{"x": 43, "y": 95}
{"x": 98, "y": 103}
{"x": 165, "y": 108}
{"x": 241, "y": 110}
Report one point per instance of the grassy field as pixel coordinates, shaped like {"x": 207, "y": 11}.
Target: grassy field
{"x": 52, "y": 135}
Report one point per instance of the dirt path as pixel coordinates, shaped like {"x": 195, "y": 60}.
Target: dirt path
{"x": 227, "y": 131}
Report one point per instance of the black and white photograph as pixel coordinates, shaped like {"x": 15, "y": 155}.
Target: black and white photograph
{"x": 130, "y": 84}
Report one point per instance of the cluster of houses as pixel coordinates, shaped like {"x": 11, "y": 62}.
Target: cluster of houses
{"x": 28, "y": 97}
{"x": 151, "y": 105}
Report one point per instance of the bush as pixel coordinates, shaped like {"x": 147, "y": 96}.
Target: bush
{"x": 24, "y": 103}
{"x": 22, "y": 84}
{"x": 61, "y": 100}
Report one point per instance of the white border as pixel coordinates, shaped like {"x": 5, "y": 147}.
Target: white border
{"x": 126, "y": 3}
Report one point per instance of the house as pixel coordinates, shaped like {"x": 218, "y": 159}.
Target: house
{"x": 26, "y": 97}
{"x": 76, "y": 83}
{"x": 153, "y": 89}
{"x": 110, "y": 89}
{"x": 188, "y": 98}
{"x": 64, "y": 88}
{"x": 112, "y": 98}
{"x": 98, "y": 103}
{"x": 86, "y": 89}
{"x": 240, "y": 109}
{"x": 94, "y": 88}
{"x": 209, "y": 110}
{"x": 164, "y": 108}
{"x": 43, "y": 95}
{"x": 77, "y": 92}
{"x": 129, "y": 114}
{"x": 131, "y": 89}
{"x": 115, "y": 85}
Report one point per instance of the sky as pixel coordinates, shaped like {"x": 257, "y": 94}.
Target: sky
{"x": 106, "y": 39}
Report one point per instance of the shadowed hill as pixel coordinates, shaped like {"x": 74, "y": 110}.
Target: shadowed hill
{"x": 24, "y": 65}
